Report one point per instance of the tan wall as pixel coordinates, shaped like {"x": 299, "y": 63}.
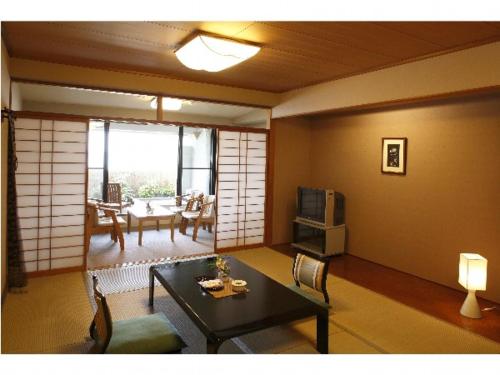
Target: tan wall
{"x": 291, "y": 143}
{"x": 447, "y": 203}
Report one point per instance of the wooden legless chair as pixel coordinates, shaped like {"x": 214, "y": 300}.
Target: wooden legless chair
{"x": 311, "y": 272}
{"x": 110, "y": 223}
{"x": 150, "y": 334}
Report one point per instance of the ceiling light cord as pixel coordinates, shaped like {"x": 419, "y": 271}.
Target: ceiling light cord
{"x": 218, "y": 53}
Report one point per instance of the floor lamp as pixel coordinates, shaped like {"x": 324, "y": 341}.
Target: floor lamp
{"x": 472, "y": 276}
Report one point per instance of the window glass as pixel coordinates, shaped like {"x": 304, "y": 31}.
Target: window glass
{"x": 195, "y": 179}
{"x": 143, "y": 159}
{"x": 95, "y": 183}
{"x": 196, "y": 148}
{"x": 96, "y": 144}
{"x": 95, "y": 159}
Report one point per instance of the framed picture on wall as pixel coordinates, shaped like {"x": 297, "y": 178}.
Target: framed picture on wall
{"x": 394, "y": 155}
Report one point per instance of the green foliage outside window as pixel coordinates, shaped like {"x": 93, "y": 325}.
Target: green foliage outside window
{"x": 155, "y": 190}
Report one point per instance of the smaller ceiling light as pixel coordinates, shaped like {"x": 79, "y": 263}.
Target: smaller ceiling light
{"x": 472, "y": 276}
{"x": 169, "y": 104}
{"x": 214, "y": 54}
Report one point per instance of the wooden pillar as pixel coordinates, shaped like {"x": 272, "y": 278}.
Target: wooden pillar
{"x": 159, "y": 108}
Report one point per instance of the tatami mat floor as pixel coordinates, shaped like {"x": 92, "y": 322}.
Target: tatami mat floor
{"x": 54, "y": 314}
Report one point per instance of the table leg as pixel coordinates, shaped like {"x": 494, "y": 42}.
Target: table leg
{"x": 128, "y": 222}
{"x": 151, "y": 286}
{"x": 322, "y": 332}
{"x": 213, "y": 347}
{"x": 157, "y": 224}
{"x": 140, "y": 232}
{"x": 172, "y": 228}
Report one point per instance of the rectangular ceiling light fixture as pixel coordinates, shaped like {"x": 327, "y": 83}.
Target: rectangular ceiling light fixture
{"x": 213, "y": 54}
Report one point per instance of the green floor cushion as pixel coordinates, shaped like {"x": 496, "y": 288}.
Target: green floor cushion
{"x": 143, "y": 335}
{"x": 318, "y": 300}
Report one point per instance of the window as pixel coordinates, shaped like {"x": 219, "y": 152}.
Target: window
{"x": 197, "y": 160}
{"x": 150, "y": 161}
{"x": 143, "y": 159}
{"x": 96, "y": 160}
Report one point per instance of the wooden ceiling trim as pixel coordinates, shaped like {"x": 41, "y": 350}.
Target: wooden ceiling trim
{"x": 366, "y": 36}
{"x": 227, "y": 29}
{"x": 313, "y": 47}
{"x": 169, "y": 26}
{"x": 295, "y": 54}
{"x": 397, "y": 26}
{"x": 110, "y": 35}
{"x": 280, "y": 73}
{"x": 106, "y": 41}
{"x": 386, "y": 25}
{"x": 285, "y": 60}
{"x": 495, "y": 25}
{"x": 337, "y": 43}
{"x": 410, "y": 60}
{"x": 60, "y": 44}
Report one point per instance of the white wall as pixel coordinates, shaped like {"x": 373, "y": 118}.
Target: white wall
{"x": 137, "y": 82}
{"x": 96, "y": 111}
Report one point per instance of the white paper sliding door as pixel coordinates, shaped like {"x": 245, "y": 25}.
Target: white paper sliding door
{"x": 51, "y": 192}
{"x": 241, "y": 188}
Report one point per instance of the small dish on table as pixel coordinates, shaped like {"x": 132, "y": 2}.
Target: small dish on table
{"x": 209, "y": 283}
{"x": 239, "y": 286}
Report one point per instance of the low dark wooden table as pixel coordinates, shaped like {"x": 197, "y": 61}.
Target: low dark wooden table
{"x": 268, "y": 303}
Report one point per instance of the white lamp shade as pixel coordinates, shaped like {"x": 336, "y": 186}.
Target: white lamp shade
{"x": 214, "y": 54}
{"x": 168, "y": 104}
{"x": 472, "y": 271}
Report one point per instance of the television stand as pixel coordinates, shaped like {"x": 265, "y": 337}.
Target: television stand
{"x": 321, "y": 240}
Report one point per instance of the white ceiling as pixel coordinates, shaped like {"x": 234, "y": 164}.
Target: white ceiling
{"x": 76, "y": 96}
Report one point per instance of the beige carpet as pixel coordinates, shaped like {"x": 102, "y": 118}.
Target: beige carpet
{"x": 54, "y": 315}
{"x": 155, "y": 245}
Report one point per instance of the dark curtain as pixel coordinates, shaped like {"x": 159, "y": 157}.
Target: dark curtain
{"x": 16, "y": 275}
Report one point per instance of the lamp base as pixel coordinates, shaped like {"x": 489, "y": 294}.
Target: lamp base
{"x": 470, "y": 308}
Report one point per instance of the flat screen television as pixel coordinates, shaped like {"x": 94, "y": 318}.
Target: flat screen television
{"x": 320, "y": 206}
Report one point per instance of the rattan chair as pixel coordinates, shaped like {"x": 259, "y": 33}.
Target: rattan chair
{"x": 313, "y": 273}
{"x": 205, "y": 216}
{"x": 150, "y": 334}
{"x": 109, "y": 223}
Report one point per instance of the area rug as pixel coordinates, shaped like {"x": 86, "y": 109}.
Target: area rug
{"x": 132, "y": 276}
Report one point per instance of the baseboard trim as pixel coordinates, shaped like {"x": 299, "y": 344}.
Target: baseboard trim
{"x": 56, "y": 271}
{"x": 238, "y": 248}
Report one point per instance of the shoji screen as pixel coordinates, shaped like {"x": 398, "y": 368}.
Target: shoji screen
{"x": 51, "y": 194}
{"x": 241, "y": 188}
